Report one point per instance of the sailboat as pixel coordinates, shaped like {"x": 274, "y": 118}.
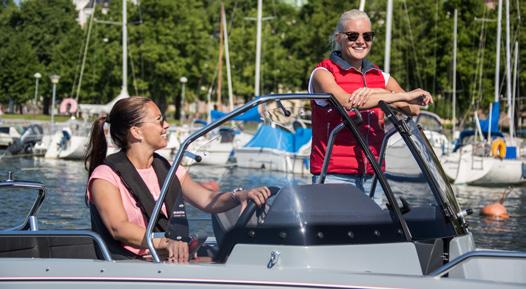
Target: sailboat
{"x": 279, "y": 144}
{"x": 488, "y": 162}
{"x": 218, "y": 147}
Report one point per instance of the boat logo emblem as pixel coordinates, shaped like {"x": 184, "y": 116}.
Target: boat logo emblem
{"x": 274, "y": 258}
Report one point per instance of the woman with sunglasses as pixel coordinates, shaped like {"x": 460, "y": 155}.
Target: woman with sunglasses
{"x": 123, "y": 187}
{"x": 356, "y": 83}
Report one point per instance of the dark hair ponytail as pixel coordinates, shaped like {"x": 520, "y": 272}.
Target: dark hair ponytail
{"x": 126, "y": 113}
{"x": 97, "y": 147}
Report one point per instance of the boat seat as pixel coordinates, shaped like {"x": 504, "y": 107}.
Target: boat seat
{"x": 47, "y": 246}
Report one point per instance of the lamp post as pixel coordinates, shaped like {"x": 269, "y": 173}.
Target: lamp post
{"x": 37, "y": 77}
{"x": 183, "y": 81}
{"x": 54, "y": 79}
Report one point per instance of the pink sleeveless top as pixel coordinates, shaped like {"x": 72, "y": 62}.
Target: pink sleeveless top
{"x": 134, "y": 213}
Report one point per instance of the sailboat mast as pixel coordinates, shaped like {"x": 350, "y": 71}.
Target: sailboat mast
{"x": 508, "y": 71}
{"x": 124, "y": 88}
{"x": 258, "y": 47}
{"x": 362, "y": 5}
{"x": 497, "y": 57}
{"x": 220, "y": 62}
{"x": 454, "y": 117}
{"x": 388, "y": 24}
{"x": 514, "y": 86}
{"x": 227, "y": 56}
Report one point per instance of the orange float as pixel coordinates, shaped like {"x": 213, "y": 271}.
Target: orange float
{"x": 498, "y": 148}
{"x": 495, "y": 210}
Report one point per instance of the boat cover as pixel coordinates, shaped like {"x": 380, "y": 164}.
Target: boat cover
{"x": 251, "y": 115}
{"x": 278, "y": 138}
{"x": 495, "y": 114}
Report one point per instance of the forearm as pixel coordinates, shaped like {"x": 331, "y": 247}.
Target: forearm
{"x": 374, "y": 99}
{"x": 221, "y": 202}
{"x": 134, "y": 235}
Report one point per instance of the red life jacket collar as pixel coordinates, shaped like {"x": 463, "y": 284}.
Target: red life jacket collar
{"x": 336, "y": 57}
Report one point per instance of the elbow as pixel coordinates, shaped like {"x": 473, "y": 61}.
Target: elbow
{"x": 117, "y": 233}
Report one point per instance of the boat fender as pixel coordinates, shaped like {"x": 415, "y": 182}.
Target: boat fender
{"x": 68, "y": 106}
{"x": 498, "y": 148}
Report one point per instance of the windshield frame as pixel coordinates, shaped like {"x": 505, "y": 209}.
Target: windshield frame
{"x": 445, "y": 199}
{"x": 347, "y": 121}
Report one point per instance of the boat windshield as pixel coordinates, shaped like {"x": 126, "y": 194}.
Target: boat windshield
{"x": 411, "y": 200}
{"x": 413, "y": 169}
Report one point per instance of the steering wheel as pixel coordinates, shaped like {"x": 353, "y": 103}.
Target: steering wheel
{"x": 251, "y": 209}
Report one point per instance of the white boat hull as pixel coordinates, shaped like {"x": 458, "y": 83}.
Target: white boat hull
{"x": 465, "y": 168}
{"x": 272, "y": 159}
{"x": 217, "y": 153}
{"x": 72, "y": 149}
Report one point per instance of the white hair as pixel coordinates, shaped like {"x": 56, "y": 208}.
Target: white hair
{"x": 344, "y": 18}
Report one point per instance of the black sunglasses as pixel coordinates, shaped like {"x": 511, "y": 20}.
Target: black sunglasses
{"x": 160, "y": 121}
{"x": 353, "y": 36}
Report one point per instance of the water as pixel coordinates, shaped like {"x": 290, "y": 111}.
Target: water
{"x": 65, "y": 207}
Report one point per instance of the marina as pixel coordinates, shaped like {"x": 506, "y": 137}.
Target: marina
{"x": 323, "y": 168}
{"x": 317, "y": 228}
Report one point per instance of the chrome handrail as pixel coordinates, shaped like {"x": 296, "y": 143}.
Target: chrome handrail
{"x": 64, "y": 233}
{"x": 10, "y": 183}
{"x": 444, "y": 269}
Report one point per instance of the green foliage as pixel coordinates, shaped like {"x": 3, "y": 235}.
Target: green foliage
{"x": 170, "y": 39}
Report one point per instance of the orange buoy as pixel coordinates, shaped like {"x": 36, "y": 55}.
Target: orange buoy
{"x": 495, "y": 210}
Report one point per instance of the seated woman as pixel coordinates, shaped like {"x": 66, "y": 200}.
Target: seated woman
{"x": 123, "y": 187}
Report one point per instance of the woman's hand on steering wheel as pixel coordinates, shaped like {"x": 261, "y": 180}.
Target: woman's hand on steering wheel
{"x": 258, "y": 195}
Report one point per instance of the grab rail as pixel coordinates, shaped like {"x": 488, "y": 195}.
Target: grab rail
{"x": 64, "y": 233}
{"x": 444, "y": 269}
{"x": 31, "y": 216}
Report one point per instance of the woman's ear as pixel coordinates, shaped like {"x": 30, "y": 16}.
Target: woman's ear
{"x": 136, "y": 133}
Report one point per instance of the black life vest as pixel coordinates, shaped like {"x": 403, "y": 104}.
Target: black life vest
{"x": 176, "y": 227}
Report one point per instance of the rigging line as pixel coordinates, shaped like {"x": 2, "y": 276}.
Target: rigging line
{"x": 85, "y": 51}
{"x": 77, "y": 69}
{"x": 232, "y": 16}
{"x": 133, "y": 72}
{"x": 477, "y": 89}
{"x": 479, "y": 66}
{"x": 418, "y": 78}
